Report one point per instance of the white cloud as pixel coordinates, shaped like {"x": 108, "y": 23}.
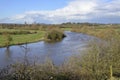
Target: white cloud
{"x": 76, "y": 10}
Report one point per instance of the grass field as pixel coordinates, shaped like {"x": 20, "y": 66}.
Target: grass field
{"x": 98, "y": 32}
{"x": 21, "y": 38}
{"x": 66, "y": 29}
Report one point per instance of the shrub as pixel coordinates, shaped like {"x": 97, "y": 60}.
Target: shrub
{"x": 96, "y": 62}
{"x": 7, "y": 38}
{"x": 17, "y": 32}
{"x": 54, "y": 35}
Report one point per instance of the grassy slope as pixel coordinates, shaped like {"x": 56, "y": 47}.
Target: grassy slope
{"x": 98, "y": 32}
{"x": 23, "y": 38}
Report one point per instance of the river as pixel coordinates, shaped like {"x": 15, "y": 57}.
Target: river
{"x": 58, "y": 52}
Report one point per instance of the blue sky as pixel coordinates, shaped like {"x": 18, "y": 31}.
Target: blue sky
{"x": 59, "y": 11}
{"x": 13, "y": 7}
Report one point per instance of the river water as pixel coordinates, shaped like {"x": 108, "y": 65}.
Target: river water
{"x": 58, "y": 52}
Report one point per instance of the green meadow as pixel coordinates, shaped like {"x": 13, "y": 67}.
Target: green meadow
{"x": 21, "y": 38}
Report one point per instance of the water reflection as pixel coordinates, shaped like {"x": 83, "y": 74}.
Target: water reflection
{"x": 25, "y": 51}
{"x": 8, "y": 54}
{"x": 74, "y": 43}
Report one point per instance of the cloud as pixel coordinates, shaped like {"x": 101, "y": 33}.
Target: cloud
{"x": 104, "y": 11}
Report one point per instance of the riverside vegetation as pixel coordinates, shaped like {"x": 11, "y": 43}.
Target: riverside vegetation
{"x": 26, "y": 33}
{"x": 19, "y": 36}
{"x": 54, "y": 35}
{"x": 101, "y": 61}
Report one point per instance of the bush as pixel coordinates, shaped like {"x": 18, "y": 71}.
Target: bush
{"x": 8, "y": 39}
{"x": 17, "y": 32}
{"x": 96, "y": 62}
{"x": 54, "y": 35}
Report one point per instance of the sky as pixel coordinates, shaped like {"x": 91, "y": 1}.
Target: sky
{"x": 59, "y": 11}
